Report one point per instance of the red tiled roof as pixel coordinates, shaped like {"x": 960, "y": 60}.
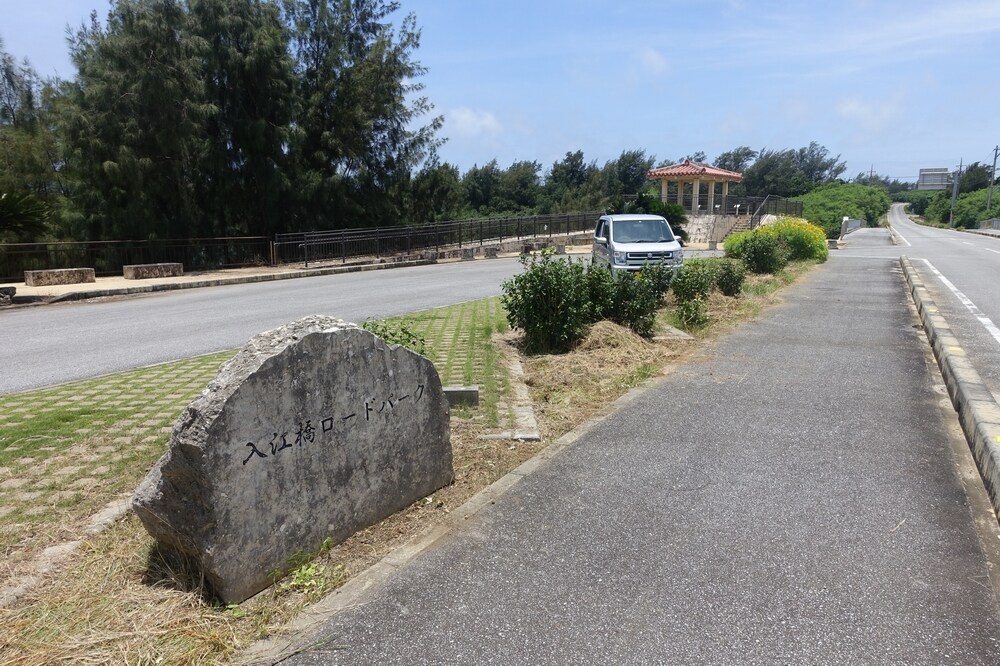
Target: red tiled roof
{"x": 689, "y": 169}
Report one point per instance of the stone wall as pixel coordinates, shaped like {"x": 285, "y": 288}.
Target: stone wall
{"x": 146, "y": 271}
{"x": 45, "y": 278}
{"x": 708, "y": 228}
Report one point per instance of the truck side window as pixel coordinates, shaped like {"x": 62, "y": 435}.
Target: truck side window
{"x": 599, "y": 232}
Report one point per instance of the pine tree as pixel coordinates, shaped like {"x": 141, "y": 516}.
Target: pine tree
{"x": 135, "y": 123}
{"x": 355, "y": 141}
{"x": 250, "y": 82}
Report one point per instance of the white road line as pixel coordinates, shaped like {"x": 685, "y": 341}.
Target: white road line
{"x": 901, "y": 237}
{"x": 864, "y": 256}
{"x": 993, "y": 251}
{"x": 973, "y": 308}
{"x": 966, "y": 243}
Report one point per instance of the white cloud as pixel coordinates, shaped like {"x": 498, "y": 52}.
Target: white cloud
{"x": 854, "y": 37}
{"x": 467, "y": 122}
{"x": 653, "y": 61}
{"x": 868, "y": 115}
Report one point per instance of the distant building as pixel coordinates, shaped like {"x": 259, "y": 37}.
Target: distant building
{"x": 933, "y": 179}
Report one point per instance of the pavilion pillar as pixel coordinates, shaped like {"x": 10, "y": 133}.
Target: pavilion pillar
{"x": 695, "y": 195}
{"x": 711, "y": 197}
{"x": 663, "y": 190}
{"x": 725, "y": 197}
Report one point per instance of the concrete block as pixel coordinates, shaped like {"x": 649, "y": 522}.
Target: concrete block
{"x": 313, "y": 431}
{"x": 7, "y": 295}
{"x": 490, "y": 252}
{"x": 468, "y": 253}
{"x": 462, "y": 395}
{"x": 52, "y": 276}
{"x": 146, "y": 271}
{"x": 560, "y": 248}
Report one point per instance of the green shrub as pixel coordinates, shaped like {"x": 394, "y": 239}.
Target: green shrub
{"x": 658, "y": 277}
{"x": 549, "y": 301}
{"x": 733, "y": 245}
{"x": 554, "y": 301}
{"x": 397, "y": 333}
{"x": 692, "y": 314}
{"x": 826, "y": 205}
{"x": 634, "y": 303}
{"x": 729, "y": 276}
{"x": 693, "y": 281}
{"x": 600, "y": 285}
{"x": 805, "y": 240}
{"x": 764, "y": 252}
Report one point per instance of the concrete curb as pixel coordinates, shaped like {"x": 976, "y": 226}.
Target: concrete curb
{"x": 978, "y": 411}
{"x": 242, "y": 279}
{"x": 893, "y": 235}
{"x": 980, "y": 232}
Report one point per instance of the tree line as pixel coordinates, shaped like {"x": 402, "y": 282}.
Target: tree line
{"x": 219, "y": 117}
{"x": 200, "y": 118}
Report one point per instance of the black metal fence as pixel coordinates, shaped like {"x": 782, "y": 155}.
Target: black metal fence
{"x": 198, "y": 254}
{"x": 737, "y": 205}
{"x": 773, "y": 205}
{"x": 347, "y": 244}
{"x": 108, "y": 257}
{"x": 755, "y": 206}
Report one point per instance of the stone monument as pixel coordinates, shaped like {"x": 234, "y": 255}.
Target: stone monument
{"x": 313, "y": 431}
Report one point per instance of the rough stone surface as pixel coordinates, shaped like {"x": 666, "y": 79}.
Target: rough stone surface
{"x": 7, "y": 295}
{"x": 58, "y": 276}
{"x": 146, "y": 271}
{"x": 315, "y": 430}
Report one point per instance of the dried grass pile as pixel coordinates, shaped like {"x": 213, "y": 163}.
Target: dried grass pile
{"x": 570, "y": 388}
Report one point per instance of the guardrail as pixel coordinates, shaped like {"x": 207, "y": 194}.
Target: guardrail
{"x": 849, "y": 225}
{"x": 773, "y": 205}
{"x": 346, "y": 244}
{"x": 199, "y": 254}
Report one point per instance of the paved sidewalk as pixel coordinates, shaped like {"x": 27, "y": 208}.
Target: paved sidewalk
{"x": 119, "y": 286}
{"x": 985, "y": 232}
{"x": 793, "y": 498}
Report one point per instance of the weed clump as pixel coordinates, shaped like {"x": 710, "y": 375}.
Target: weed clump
{"x": 397, "y": 332}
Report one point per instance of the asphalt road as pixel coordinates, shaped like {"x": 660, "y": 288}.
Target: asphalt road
{"x": 790, "y": 499}
{"x": 46, "y": 345}
{"x": 962, "y": 271}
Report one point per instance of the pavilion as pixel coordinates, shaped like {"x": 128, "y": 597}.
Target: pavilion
{"x": 674, "y": 182}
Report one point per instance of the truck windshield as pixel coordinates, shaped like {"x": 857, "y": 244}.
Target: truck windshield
{"x": 641, "y": 231}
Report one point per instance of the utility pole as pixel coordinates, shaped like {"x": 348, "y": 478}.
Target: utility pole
{"x": 954, "y": 193}
{"x": 993, "y": 177}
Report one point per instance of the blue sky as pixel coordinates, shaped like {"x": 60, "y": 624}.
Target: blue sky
{"x": 886, "y": 84}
